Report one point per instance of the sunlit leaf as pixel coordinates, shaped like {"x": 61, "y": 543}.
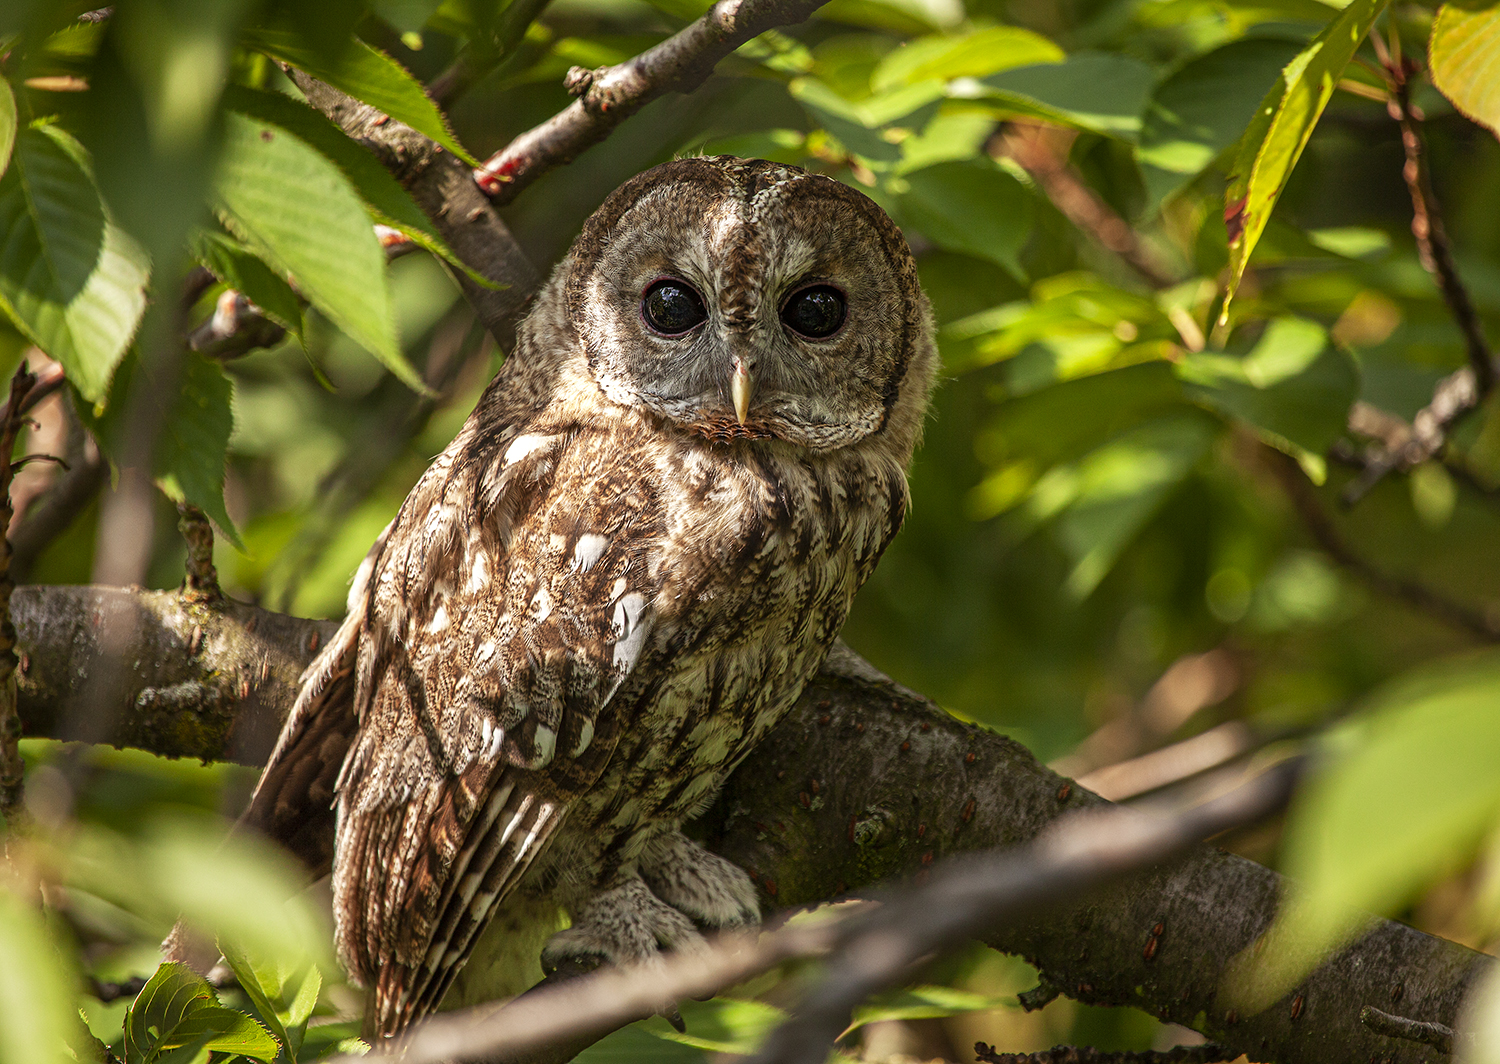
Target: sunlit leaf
{"x": 283, "y": 997}
{"x": 366, "y": 74}
{"x": 382, "y": 193}
{"x": 74, "y": 283}
{"x": 858, "y": 125}
{"x": 1465, "y": 53}
{"x": 234, "y": 264}
{"x": 177, "y": 1018}
{"x": 927, "y": 1002}
{"x": 37, "y": 988}
{"x": 1202, "y": 108}
{"x": 1283, "y": 123}
{"x": 231, "y": 888}
{"x": 972, "y": 55}
{"x": 1293, "y": 388}
{"x": 1405, "y": 794}
{"x": 7, "y": 123}
{"x": 975, "y": 208}
{"x": 722, "y": 1025}
{"x": 298, "y": 212}
{"x": 196, "y": 419}
{"x": 1100, "y": 503}
{"x": 1094, "y": 91}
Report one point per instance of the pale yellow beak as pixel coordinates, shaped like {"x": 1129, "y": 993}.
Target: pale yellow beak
{"x": 741, "y": 388}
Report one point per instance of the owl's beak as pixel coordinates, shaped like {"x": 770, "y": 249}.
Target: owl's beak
{"x": 741, "y": 388}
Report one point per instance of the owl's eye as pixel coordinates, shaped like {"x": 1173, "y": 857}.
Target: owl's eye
{"x": 815, "y": 312}
{"x": 671, "y": 307}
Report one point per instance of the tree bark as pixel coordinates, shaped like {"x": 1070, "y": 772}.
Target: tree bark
{"x": 864, "y": 782}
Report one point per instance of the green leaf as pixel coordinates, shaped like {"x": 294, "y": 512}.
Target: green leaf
{"x": 973, "y": 55}
{"x": 927, "y": 1002}
{"x": 235, "y": 265}
{"x": 1406, "y": 793}
{"x": 388, "y": 201}
{"x": 636, "y": 1045}
{"x": 70, "y": 280}
{"x": 283, "y": 998}
{"x": 1091, "y": 90}
{"x": 722, "y": 1025}
{"x": 1202, "y": 108}
{"x": 37, "y": 989}
{"x": 1283, "y": 124}
{"x": 1102, "y": 501}
{"x": 8, "y": 122}
{"x": 216, "y": 1030}
{"x": 196, "y": 421}
{"x": 858, "y": 125}
{"x": 1464, "y": 51}
{"x": 972, "y": 207}
{"x": 172, "y": 994}
{"x": 1292, "y": 388}
{"x": 297, "y": 211}
{"x": 368, "y": 75}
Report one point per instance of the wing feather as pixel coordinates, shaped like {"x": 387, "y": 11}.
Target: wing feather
{"x": 490, "y": 650}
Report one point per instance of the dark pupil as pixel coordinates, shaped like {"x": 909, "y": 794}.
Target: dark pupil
{"x": 815, "y": 312}
{"x": 672, "y": 307}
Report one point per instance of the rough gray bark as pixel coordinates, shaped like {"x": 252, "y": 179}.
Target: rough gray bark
{"x": 863, "y": 782}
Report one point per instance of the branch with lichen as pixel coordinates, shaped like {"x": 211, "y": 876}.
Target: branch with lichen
{"x": 863, "y": 783}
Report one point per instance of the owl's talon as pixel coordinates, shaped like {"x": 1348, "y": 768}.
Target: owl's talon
{"x": 715, "y": 894}
{"x": 624, "y": 925}
{"x": 674, "y": 1017}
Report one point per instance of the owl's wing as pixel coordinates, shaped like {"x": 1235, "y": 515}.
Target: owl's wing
{"x": 507, "y": 607}
{"x": 293, "y": 800}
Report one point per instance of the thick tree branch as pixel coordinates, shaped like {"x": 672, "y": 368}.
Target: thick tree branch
{"x": 444, "y": 188}
{"x": 609, "y": 95}
{"x": 863, "y": 782}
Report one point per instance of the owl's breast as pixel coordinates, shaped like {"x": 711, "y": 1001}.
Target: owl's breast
{"x": 761, "y": 555}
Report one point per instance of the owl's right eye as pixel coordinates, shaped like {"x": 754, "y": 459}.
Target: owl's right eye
{"x": 671, "y": 307}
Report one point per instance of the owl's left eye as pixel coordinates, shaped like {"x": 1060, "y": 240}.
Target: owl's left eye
{"x": 816, "y": 312}
{"x": 671, "y": 307}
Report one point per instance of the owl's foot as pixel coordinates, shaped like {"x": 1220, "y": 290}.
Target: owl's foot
{"x": 714, "y": 893}
{"x": 624, "y": 925}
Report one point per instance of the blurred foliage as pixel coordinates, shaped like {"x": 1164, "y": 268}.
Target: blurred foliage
{"x": 1094, "y": 517}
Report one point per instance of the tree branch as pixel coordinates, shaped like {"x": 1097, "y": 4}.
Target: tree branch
{"x": 1462, "y": 391}
{"x": 1207, "y": 1053}
{"x": 609, "y": 95}
{"x": 863, "y": 782}
{"x": 1415, "y": 594}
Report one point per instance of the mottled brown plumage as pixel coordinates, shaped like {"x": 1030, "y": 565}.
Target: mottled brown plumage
{"x": 610, "y": 585}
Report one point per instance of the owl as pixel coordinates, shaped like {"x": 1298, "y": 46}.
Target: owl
{"x": 606, "y": 590}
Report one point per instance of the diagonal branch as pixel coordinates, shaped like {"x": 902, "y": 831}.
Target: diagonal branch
{"x": 1464, "y": 390}
{"x": 1415, "y": 594}
{"x": 609, "y": 95}
{"x": 864, "y": 781}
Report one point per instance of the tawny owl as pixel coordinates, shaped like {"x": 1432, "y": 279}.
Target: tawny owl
{"x": 613, "y": 582}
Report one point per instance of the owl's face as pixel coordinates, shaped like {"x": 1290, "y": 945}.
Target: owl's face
{"x": 748, "y": 300}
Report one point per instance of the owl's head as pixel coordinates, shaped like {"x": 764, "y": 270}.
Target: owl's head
{"x": 743, "y": 299}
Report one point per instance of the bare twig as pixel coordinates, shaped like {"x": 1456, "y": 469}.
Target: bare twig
{"x": 12, "y": 768}
{"x": 609, "y": 95}
{"x": 1042, "y": 151}
{"x": 1464, "y": 390}
{"x": 1411, "y": 592}
{"x": 235, "y": 328}
{"x": 1204, "y": 1053}
{"x": 1437, "y": 1035}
